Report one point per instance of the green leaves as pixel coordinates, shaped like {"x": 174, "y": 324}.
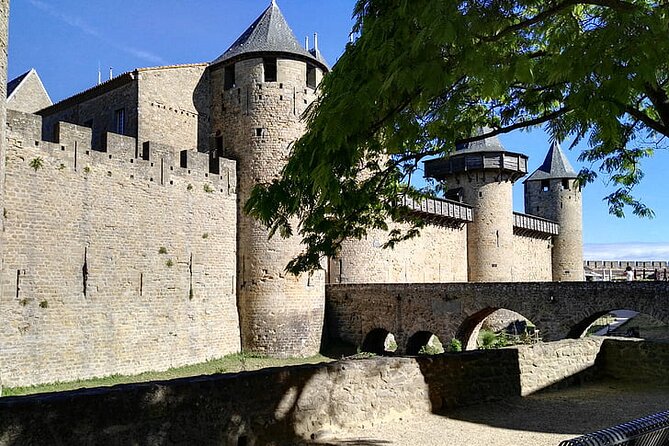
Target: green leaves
{"x": 425, "y": 74}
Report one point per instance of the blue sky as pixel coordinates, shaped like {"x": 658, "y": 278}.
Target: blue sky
{"x": 66, "y": 41}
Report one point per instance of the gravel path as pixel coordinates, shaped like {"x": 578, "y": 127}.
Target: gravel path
{"x": 545, "y": 418}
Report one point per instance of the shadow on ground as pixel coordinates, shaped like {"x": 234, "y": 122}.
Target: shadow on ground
{"x": 584, "y": 408}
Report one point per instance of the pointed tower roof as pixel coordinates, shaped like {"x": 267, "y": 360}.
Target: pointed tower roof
{"x": 270, "y": 33}
{"x": 556, "y": 165}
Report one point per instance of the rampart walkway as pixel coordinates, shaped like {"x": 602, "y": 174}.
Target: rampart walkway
{"x": 558, "y": 309}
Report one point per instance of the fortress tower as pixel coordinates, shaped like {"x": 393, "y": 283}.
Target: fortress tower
{"x": 481, "y": 174}
{"x": 551, "y": 192}
{"x": 260, "y": 87}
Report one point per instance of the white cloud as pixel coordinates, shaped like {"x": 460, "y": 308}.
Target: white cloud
{"x": 626, "y": 251}
{"x": 82, "y": 26}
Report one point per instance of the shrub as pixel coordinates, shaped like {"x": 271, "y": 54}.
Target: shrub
{"x": 162, "y": 250}
{"x": 487, "y": 339}
{"x": 169, "y": 263}
{"x": 429, "y": 350}
{"x": 455, "y": 345}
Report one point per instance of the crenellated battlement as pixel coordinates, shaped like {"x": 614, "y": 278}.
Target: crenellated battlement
{"x": 119, "y": 155}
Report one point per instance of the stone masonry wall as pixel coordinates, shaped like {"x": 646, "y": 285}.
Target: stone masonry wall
{"x": 174, "y": 106}
{"x": 558, "y": 309}
{"x": 633, "y": 360}
{"x": 490, "y": 236}
{"x": 557, "y": 363}
{"x": 292, "y": 405}
{"x": 98, "y": 111}
{"x": 439, "y": 254}
{"x": 280, "y": 314}
{"x": 269, "y": 407}
{"x": 113, "y": 264}
{"x": 4, "y": 27}
{"x": 30, "y": 96}
{"x": 531, "y": 259}
{"x": 564, "y": 206}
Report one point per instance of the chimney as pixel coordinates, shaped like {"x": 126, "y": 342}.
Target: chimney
{"x": 316, "y": 42}
{"x": 111, "y": 73}
{"x": 306, "y": 43}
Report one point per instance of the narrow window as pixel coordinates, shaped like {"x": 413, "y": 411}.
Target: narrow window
{"x": 119, "y": 121}
{"x": 145, "y": 150}
{"x": 545, "y": 185}
{"x": 229, "y": 77}
{"x": 269, "y": 65}
{"x": 565, "y": 184}
{"x": 311, "y": 76}
{"x": 183, "y": 161}
{"x": 258, "y": 131}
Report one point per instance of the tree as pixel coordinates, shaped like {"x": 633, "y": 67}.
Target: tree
{"x": 424, "y": 75}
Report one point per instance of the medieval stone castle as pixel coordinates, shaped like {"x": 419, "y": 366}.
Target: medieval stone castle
{"x": 125, "y": 249}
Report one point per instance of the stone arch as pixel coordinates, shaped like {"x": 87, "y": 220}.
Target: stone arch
{"x": 419, "y": 340}
{"x": 469, "y": 329}
{"x": 377, "y": 341}
{"x": 580, "y": 329}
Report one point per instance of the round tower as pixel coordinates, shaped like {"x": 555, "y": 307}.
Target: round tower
{"x": 482, "y": 174}
{"x": 260, "y": 88}
{"x": 552, "y": 192}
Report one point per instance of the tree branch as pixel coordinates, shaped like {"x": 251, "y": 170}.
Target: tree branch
{"x": 613, "y": 4}
{"x": 519, "y": 125}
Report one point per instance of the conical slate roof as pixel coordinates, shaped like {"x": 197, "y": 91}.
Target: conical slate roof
{"x": 492, "y": 144}
{"x": 270, "y": 33}
{"x": 556, "y": 165}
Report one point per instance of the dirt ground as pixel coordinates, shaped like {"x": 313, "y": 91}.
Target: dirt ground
{"x": 545, "y": 418}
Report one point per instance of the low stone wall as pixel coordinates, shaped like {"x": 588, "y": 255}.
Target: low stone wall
{"x": 634, "y": 360}
{"x": 296, "y": 404}
{"x": 274, "y": 406}
{"x": 557, "y": 363}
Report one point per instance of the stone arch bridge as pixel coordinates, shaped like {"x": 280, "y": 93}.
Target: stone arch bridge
{"x": 455, "y": 310}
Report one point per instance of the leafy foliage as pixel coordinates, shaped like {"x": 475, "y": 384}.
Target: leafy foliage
{"x": 455, "y": 345}
{"x": 425, "y": 75}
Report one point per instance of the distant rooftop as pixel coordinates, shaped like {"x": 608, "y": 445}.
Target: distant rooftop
{"x": 11, "y": 85}
{"x": 270, "y": 33}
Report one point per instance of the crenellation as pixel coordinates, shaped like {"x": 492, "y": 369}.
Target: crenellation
{"x": 158, "y": 163}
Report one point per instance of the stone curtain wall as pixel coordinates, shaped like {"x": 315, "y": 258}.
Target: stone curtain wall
{"x": 531, "y": 259}
{"x": 293, "y": 404}
{"x": 448, "y": 310}
{"x": 174, "y": 106}
{"x": 30, "y": 96}
{"x": 112, "y": 264}
{"x": 4, "y": 27}
{"x": 439, "y": 254}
